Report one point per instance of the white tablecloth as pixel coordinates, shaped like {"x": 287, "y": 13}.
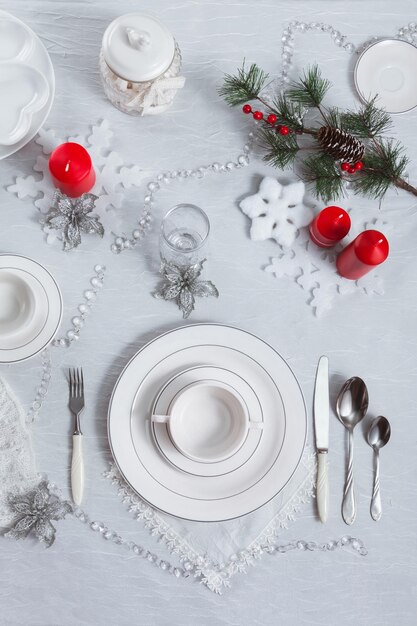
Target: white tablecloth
{"x": 83, "y": 580}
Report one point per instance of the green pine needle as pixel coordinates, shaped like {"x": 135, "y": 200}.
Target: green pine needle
{"x": 321, "y": 170}
{"x": 369, "y": 121}
{"x": 245, "y": 85}
{"x": 384, "y": 164}
{"x": 281, "y": 150}
{"x": 289, "y": 113}
{"x": 310, "y": 89}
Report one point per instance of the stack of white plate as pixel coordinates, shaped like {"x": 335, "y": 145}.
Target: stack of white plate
{"x": 30, "y": 308}
{"x": 27, "y": 84}
{"x": 239, "y": 430}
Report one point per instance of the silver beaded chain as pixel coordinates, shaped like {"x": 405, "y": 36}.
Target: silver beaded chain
{"x": 73, "y": 334}
{"x": 90, "y": 296}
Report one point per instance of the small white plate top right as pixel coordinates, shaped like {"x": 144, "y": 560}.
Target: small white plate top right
{"x": 387, "y": 69}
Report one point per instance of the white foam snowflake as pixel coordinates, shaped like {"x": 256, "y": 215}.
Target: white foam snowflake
{"x": 314, "y": 270}
{"x": 277, "y": 211}
{"x": 113, "y": 176}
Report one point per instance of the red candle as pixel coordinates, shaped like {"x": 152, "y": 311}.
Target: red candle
{"x": 362, "y": 255}
{"x": 329, "y": 226}
{"x": 71, "y": 169}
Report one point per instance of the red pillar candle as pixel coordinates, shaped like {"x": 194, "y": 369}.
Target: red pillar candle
{"x": 71, "y": 169}
{"x": 329, "y": 226}
{"x": 362, "y": 255}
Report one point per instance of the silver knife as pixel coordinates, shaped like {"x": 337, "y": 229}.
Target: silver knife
{"x": 321, "y": 427}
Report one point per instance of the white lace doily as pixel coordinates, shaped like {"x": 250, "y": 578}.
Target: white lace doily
{"x": 217, "y": 552}
{"x": 113, "y": 177}
{"x": 17, "y": 462}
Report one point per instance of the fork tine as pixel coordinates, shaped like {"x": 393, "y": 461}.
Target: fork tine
{"x": 78, "y": 382}
{"x": 82, "y": 382}
{"x": 70, "y": 383}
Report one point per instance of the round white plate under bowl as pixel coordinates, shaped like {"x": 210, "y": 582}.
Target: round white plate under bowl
{"x": 20, "y": 45}
{"x": 387, "y": 69}
{"x": 176, "y": 385}
{"x": 30, "y": 308}
{"x": 207, "y": 498}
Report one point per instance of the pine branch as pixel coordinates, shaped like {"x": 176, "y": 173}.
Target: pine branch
{"x": 310, "y": 89}
{"x": 369, "y": 121}
{"x": 384, "y": 165}
{"x": 281, "y": 150}
{"x": 321, "y": 170}
{"x": 245, "y": 85}
{"x": 289, "y": 113}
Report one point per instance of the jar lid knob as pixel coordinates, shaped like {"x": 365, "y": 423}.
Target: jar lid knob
{"x": 138, "y": 39}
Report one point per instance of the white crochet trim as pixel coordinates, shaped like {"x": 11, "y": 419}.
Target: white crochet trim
{"x": 212, "y": 574}
{"x": 17, "y": 461}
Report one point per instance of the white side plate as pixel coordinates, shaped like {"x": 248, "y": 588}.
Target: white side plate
{"x": 387, "y": 69}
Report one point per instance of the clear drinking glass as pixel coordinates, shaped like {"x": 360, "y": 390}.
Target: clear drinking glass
{"x": 184, "y": 235}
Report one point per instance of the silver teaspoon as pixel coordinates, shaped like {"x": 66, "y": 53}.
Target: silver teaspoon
{"x": 351, "y": 406}
{"x": 379, "y": 434}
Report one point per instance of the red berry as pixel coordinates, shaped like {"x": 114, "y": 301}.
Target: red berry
{"x": 351, "y": 170}
{"x": 358, "y": 166}
{"x": 247, "y": 108}
{"x": 271, "y": 119}
{"x": 258, "y": 115}
{"x": 284, "y": 130}
{"x": 345, "y": 167}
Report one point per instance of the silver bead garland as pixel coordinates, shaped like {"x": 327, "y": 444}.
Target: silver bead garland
{"x": 84, "y": 308}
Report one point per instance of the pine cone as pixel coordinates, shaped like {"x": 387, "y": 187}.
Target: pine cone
{"x": 340, "y": 145}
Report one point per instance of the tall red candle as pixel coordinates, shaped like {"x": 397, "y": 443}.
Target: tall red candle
{"x": 329, "y": 226}
{"x": 71, "y": 169}
{"x": 362, "y": 255}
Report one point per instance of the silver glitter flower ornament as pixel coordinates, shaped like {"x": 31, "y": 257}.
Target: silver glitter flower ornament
{"x": 73, "y": 216}
{"x": 35, "y": 510}
{"x": 182, "y": 284}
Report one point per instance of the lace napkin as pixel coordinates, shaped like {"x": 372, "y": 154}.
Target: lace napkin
{"x": 17, "y": 462}
{"x": 217, "y": 551}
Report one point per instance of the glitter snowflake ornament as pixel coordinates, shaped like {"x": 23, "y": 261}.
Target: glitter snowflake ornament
{"x": 34, "y": 511}
{"x": 73, "y": 216}
{"x": 277, "y": 211}
{"x": 182, "y": 284}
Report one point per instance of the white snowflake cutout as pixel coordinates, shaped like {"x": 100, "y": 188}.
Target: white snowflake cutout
{"x": 48, "y": 140}
{"x": 277, "y": 211}
{"x": 24, "y": 187}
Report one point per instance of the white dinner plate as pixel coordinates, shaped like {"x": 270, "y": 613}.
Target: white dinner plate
{"x": 21, "y": 48}
{"x": 207, "y": 498}
{"x": 175, "y": 386}
{"x": 387, "y": 69}
{"x": 30, "y": 308}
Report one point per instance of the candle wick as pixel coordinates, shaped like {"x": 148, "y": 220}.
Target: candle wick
{"x": 67, "y": 166}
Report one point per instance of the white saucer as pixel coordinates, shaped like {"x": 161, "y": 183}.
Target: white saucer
{"x": 387, "y": 69}
{"x": 207, "y": 498}
{"x": 161, "y": 433}
{"x": 20, "y": 48}
{"x": 30, "y": 308}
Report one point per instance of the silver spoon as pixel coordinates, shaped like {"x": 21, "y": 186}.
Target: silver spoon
{"x": 351, "y": 406}
{"x": 379, "y": 434}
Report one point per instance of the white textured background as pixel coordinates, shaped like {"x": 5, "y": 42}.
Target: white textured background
{"x": 84, "y": 581}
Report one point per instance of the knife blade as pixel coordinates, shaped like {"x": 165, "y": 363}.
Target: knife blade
{"x": 321, "y": 428}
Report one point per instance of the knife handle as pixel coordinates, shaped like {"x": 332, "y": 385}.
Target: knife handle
{"x": 77, "y": 469}
{"x": 322, "y": 486}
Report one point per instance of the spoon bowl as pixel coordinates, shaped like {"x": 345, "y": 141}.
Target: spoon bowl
{"x": 351, "y": 407}
{"x": 352, "y": 402}
{"x": 379, "y": 433}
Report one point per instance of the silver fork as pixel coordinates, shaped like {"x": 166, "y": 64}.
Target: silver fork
{"x": 76, "y": 406}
